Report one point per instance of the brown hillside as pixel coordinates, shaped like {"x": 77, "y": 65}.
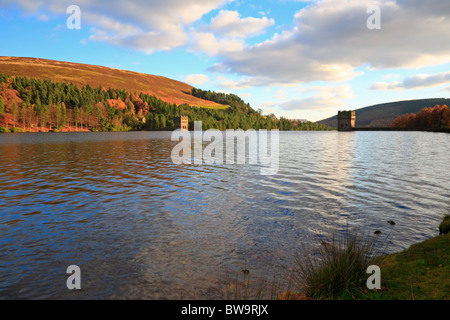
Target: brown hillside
{"x": 166, "y": 89}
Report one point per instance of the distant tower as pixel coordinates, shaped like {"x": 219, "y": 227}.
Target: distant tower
{"x": 346, "y": 120}
{"x": 181, "y": 123}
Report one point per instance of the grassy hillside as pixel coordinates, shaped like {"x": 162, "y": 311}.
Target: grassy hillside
{"x": 382, "y": 115}
{"x": 39, "y": 95}
{"x": 42, "y": 105}
{"x": 166, "y": 89}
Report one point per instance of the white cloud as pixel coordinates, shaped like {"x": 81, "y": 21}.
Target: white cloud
{"x": 230, "y": 24}
{"x": 145, "y": 25}
{"x": 383, "y": 86}
{"x": 248, "y": 81}
{"x": 233, "y": 84}
{"x": 323, "y": 99}
{"x": 208, "y": 43}
{"x": 390, "y": 76}
{"x": 414, "y": 82}
{"x": 43, "y": 17}
{"x": 280, "y": 94}
{"x": 226, "y": 33}
{"x": 330, "y": 41}
{"x": 196, "y": 79}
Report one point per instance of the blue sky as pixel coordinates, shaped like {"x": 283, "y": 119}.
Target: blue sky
{"x": 298, "y": 59}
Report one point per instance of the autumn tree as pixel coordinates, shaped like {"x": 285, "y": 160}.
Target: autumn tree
{"x": 14, "y": 113}
{"x": 2, "y": 107}
{"x": 427, "y": 118}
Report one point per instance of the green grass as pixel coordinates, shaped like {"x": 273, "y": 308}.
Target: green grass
{"x": 338, "y": 271}
{"x": 421, "y": 272}
{"x": 217, "y": 106}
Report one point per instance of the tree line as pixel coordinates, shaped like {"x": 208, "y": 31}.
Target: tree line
{"x": 428, "y": 118}
{"x": 47, "y": 105}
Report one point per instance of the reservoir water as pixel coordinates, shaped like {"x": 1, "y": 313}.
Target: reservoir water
{"x": 141, "y": 227}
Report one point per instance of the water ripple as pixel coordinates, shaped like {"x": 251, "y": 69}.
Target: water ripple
{"x": 140, "y": 226}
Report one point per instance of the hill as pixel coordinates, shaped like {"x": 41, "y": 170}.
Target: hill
{"x": 42, "y": 105}
{"x": 168, "y": 90}
{"x": 382, "y": 115}
{"x": 38, "y": 95}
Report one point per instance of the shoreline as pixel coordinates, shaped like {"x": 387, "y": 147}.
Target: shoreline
{"x": 442, "y": 130}
{"x": 20, "y": 130}
{"x": 420, "y": 272}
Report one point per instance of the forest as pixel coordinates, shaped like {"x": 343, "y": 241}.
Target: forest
{"x": 428, "y": 118}
{"x": 35, "y": 105}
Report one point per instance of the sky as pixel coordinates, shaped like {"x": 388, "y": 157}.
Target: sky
{"x": 297, "y": 59}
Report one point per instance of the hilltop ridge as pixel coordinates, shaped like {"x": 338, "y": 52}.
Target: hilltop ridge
{"x": 166, "y": 89}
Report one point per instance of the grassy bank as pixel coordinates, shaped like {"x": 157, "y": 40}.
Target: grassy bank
{"x": 338, "y": 271}
{"x": 422, "y": 272}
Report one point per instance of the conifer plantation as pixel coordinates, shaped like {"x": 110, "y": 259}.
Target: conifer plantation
{"x": 29, "y": 104}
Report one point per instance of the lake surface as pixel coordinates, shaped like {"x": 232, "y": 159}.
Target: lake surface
{"x": 141, "y": 227}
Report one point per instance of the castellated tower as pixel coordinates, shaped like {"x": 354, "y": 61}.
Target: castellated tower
{"x": 346, "y": 120}
{"x": 181, "y": 123}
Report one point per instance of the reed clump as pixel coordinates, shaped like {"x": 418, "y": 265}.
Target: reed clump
{"x": 337, "y": 268}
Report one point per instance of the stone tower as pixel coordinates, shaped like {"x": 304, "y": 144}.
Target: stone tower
{"x": 346, "y": 120}
{"x": 181, "y": 123}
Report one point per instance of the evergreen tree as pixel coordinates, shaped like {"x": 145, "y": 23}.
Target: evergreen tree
{"x": 69, "y": 103}
{"x": 42, "y": 113}
{"x": 156, "y": 123}
{"x": 4, "y": 78}
{"x": 63, "y": 116}
{"x": 76, "y": 114}
{"x": 99, "y": 116}
{"x": 162, "y": 120}
{"x": 89, "y": 113}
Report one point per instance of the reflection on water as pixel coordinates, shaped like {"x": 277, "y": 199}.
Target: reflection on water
{"x": 141, "y": 227}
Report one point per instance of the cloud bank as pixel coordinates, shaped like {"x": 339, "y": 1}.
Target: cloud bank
{"x": 327, "y": 41}
{"x": 415, "y": 82}
{"x": 330, "y": 42}
{"x": 145, "y": 25}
